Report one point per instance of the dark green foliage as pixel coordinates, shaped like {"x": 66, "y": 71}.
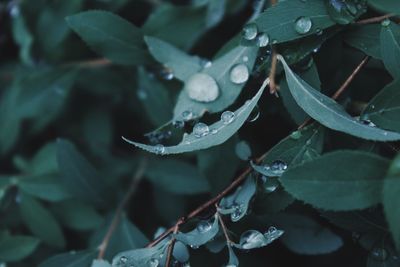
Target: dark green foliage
{"x": 136, "y": 133}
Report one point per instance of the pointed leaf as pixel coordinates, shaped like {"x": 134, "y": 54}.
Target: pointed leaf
{"x": 204, "y": 232}
{"x": 365, "y": 38}
{"x": 223, "y": 132}
{"x": 329, "y": 113}
{"x": 386, "y": 6}
{"x": 390, "y": 48}
{"x": 111, "y": 36}
{"x": 341, "y": 180}
{"x": 16, "y": 248}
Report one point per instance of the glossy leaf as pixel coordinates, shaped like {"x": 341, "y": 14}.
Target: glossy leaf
{"x": 111, "y": 36}
{"x": 40, "y": 221}
{"x": 71, "y": 259}
{"x": 224, "y": 131}
{"x": 365, "y": 38}
{"x": 329, "y": 113}
{"x": 16, "y": 248}
{"x": 341, "y": 180}
{"x": 390, "y": 48}
{"x": 386, "y": 6}
{"x": 203, "y": 233}
{"x": 279, "y": 21}
{"x": 391, "y": 189}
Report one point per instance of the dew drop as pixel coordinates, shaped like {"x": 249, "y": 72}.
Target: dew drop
{"x": 271, "y": 184}
{"x": 295, "y": 135}
{"x": 159, "y": 149}
{"x": 166, "y": 74}
{"x": 251, "y": 239}
{"x": 238, "y": 212}
{"x": 262, "y": 40}
{"x": 214, "y": 131}
{"x": 178, "y": 124}
{"x": 385, "y": 23}
{"x": 239, "y": 74}
{"x": 379, "y": 254}
{"x": 303, "y": 25}
{"x": 227, "y": 117}
{"x": 367, "y": 122}
{"x": 319, "y": 32}
{"x": 272, "y": 234}
{"x": 154, "y": 263}
{"x": 187, "y": 115}
{"x": 245, "y": 59}
{"x": 204, "y": 226}
{"x": 123, "y": 259}
{"x": 200, "y": 129}
{"x": 278, "y": 166}
{"x": 202, "y": 87}
{"x": 250, "y": 31}
{"x": 205, "y": 63}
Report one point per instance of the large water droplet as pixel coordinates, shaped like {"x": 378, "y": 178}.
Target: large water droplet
{"x": 278, "y": 166}
{"x": 154, "y": 263}
{"x": 379, "y": 254}
{"x": 385, "y": 23}
{"x": 159, "y": 149}
{"x": 204, "y": 226}
{"x": 251, "y": 239}
{"x": 238, "y": 212}
{"x": 239, "y": 74}
{"x": 200, "y": 129}
{"x": 202, "y": 87}
{"x": 262, "y": 40}
{"x": 227, "y": 117}
{"x": 250, "y": 31}
{"x": 303, "y": 25}
{"x": 272, "y": 234}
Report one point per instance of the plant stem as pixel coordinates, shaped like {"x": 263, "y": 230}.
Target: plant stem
{"x": 274, "y": 60}
{"x": 114, "y": 223}
{"x": 171, "y": 246}
{"x": 374, "y": 19}
{"x": 224, "y": 228}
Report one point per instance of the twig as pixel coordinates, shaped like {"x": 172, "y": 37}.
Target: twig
{"x": 274, "y": 60}
{"x": 374, "y": 19}
{"x": 224, "y": 229}
{"x": 92, "y": 63}
{"x": 135, "y": 181}
{"x": 171, "y": 246}
{"x": 343, "y": 87}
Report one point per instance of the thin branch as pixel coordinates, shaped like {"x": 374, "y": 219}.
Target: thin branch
{"x": 172, "y": 244}
{"x": 343, "y": 87}
{"x": 224, "y": 228}
{"x": 132, "y": 188}
{"x": 374, "y": 19}
{"x": 272, "y": 84}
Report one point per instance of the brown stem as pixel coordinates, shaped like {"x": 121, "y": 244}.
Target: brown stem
{"x": 132, "y": 188}
{"x": 374, "y": 19}
{"x": 343, "y": 87}
{"x": 272, "y": 84}
{"x": 93, "y": 63}
{"x": 223, "y": 226}
{"x": 171, "y": 247}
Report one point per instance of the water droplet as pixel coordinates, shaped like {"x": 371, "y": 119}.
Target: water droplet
{"x": 254, "y": 115}
{"x": 251, "y": 239}
{"x": 227, "y": 117}
{"x": 245, "y": 59}
{"x": 274, "y": 41}
{"x": 385, "y": 23}
{"x": 239, "y": 74}
{"x": 200, "y": 129}
{"x": 303, "y": 25}
{"x": 214, "y": 131}
{"x": 250, "y": 31}
{"x": 142, "y": 94}
{"x": 319, "y": 32}
{"x": 178, "y": 124}
{"x": 123, "y": 259}
{"x": 278, "y": 166}
{"x": 295, "y": 135}
{"x": 271, "y": 184}
{"x": 159, "y": 149}
{"x": 379, "y": 254}
{"x": 166, "y": 74}
{"x": 262, "y": 40}
{"x": 187, "y": 115}
{"x": 202, "y": 87}
{"x": 204, "y": 226}
{"x": 367, "y": 122}
{"x": 272, "y": 234}
{"x": 238, "y": 212}
{"x": 205, "y": 63}
{"x": 194, "y": 247}
{"x": 154, "y": 263}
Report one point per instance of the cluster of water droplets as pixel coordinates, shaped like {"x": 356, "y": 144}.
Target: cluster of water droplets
{"x": 250, "y": 33}
{"x": 203, "y": 227}
{"x": 344, "y": 12}
{"x": 255, "y": 239}
{"x": 277, "y": 167}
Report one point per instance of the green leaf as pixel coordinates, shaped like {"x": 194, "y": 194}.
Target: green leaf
{"x": 180, "y": 26}
{"x": 16, "y": 248}
{"x": 215, "y": 12}
{"x": 40, "y": 221}
{"x": 78, "y": 175}
{"x": 125, "y": 236}
{"x": 181, "y": 177}
{"x": 237, "y": 203}
{"x": 202, "y": 234}
{"x": 386, "y": 6}
{"x": 390, "y": 48}
{"x": 233, "y": 260}
{"x": 279, "y": 21}
{"x": 181, "y": 64}
{"x": 384, "y": 108}
{"x": 23, "y": 37}
{"x": 223, "y": 132}
{"x": 46, "y": 187}
{"x": 303, "y": 235}
{"x": 110, "y": 36}
{"x": 100, "y": 263}
{"x": 77, "y": 215}
{"x": 220, "y": 71}
{"x": 340, "y": 181}
{"x": 329, "y": 113}
{"x": 71, "y": 259}
{"x": 391, "y": 190}
{"x": 155, "y": 98}
{"x": 365, "y": 38}
{"x": 44, "y": 161}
